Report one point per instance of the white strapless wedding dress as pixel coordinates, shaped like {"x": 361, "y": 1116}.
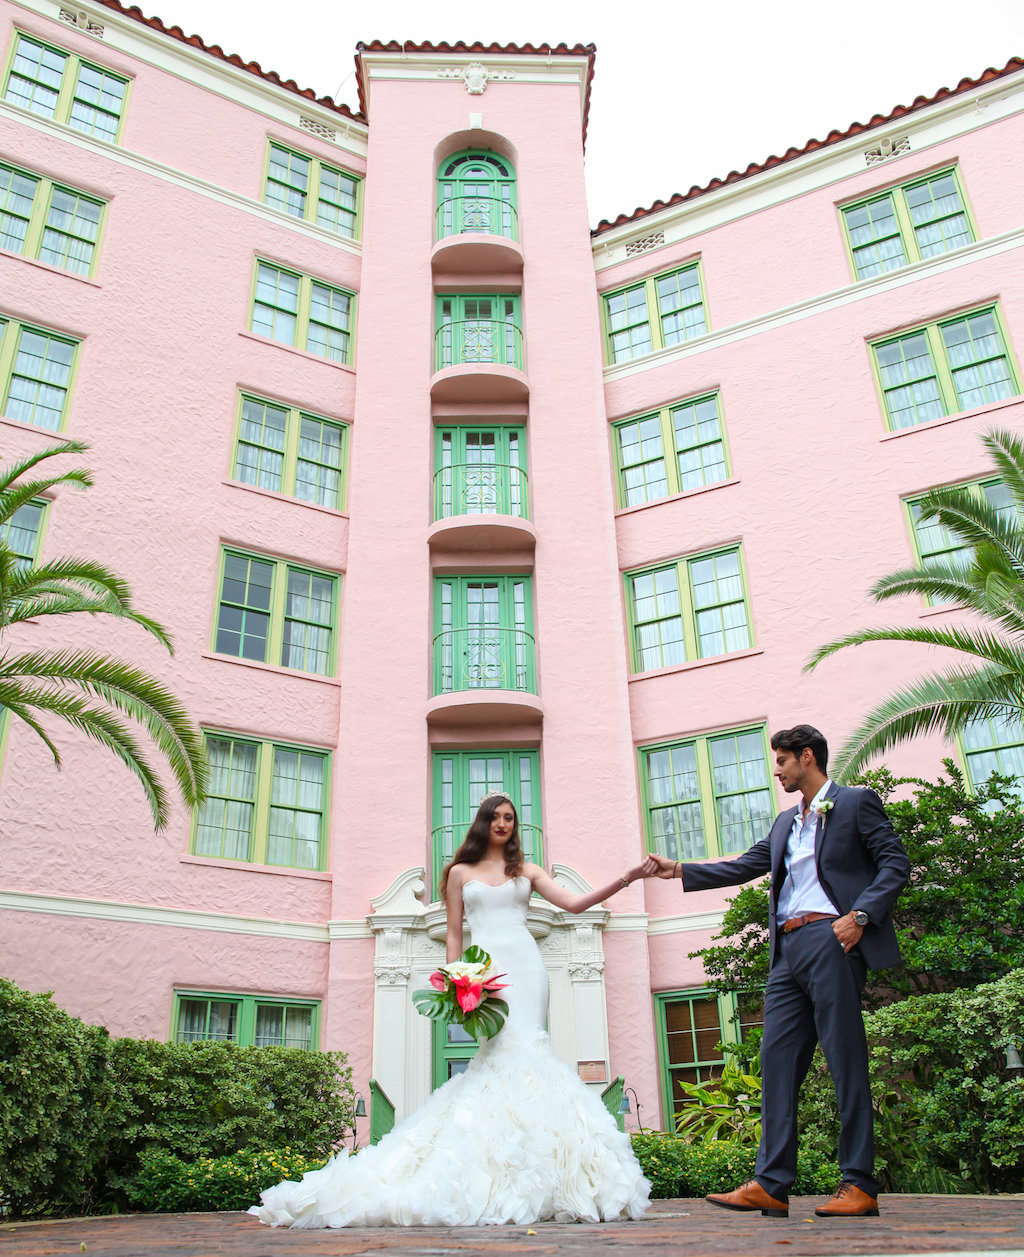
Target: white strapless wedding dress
{"x": 516, "y": 1138}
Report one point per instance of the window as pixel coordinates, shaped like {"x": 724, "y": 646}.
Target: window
{"x": 35, "y": 372}
{"x": 477, "y": 329}
{"x": 692, "y": 608}
{"x": 672, "y": 450}
{"x": 248, "y": 1020}
{"x": 480, "y": 471}
{"x": 273, "y": 612}
{"x": 452, "y": 1048}
{"x": 60, "y": 85}
{"x": 906, "y": 224}
{"x": 289, "y": 451}
{"x": 21, "y": 533}
{"x": 661, "y": 311}
{"x": 44, "y": 220}
{"x": 462, "y": 778}
{"x": 267, "y": 804}
{"x": 308, "y": 188}
{"x": 709, "y": 795}
{"x": 304, "y": 312}
{"x": 476, "y": 192}
{"x": 483, "y": 634}
{"x": 691, "y": 1025}
{"x": 994, "y": 746}
{"x": 945, "y": 367}
{"x": 936, "y": 545}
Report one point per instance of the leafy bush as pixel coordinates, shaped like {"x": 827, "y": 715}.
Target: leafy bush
{"x": 166, "y": 1184}
{"x": 726, "y": 1107}
{"x": 676, "y": 1168}
{"x": 79, "y": 1111}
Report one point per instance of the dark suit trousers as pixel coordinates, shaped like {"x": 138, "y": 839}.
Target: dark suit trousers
{"x": 814, "y": 995}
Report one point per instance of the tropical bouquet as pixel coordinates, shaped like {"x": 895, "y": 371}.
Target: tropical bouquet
{"x": 466, "y": 991}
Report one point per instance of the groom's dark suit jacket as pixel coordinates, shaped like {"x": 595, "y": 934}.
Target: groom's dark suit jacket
{"x": 861, "y": 864}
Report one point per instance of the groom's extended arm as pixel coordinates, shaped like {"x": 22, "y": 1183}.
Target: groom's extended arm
{"x": 705, "y": 876}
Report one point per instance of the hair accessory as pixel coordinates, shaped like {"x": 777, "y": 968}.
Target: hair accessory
{"x": 495, "y": 794}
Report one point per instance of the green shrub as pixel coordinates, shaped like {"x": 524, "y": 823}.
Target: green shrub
{"x": 726, "y": 1108}
{"x": 167, "y": 1184}
{"x": 677, "y": 1168}
{"x": 79, "y": 1111}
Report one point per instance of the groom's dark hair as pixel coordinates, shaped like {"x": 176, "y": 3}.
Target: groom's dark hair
{"x": 797, "y": 738}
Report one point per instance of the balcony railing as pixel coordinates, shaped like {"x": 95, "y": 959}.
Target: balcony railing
{"x": 484, "y": 657}
{"x": 480, "y": 489}
{"x": 485, "y": 215}
{"x": 475, "y": 341}
{"x": 448, "y": 838}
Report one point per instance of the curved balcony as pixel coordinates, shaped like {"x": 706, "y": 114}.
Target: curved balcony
{"x": 479, "y": 360}
{"x": 484, "y": 675}
{"x": 481, "y": 507}
{"x": 446, "y": 839}
{"x": 476, "y": 235}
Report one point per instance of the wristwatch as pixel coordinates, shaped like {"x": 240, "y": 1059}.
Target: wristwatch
{"x": 860, "y": 918}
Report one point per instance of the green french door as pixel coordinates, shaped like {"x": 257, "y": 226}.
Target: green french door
{"x": 462, "y": 778}
{"x": 476, "y": 192}
{"x": 480, "y": 471}
{"x": 475, "y": 328}
{"x": 483, "y": 634}
{"x": 452, "y": 1050}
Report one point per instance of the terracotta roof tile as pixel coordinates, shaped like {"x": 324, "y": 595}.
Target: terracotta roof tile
{"x": 833, "y": 137}
{"x": 232, "y": 58}
{"x": 477, "y": 46}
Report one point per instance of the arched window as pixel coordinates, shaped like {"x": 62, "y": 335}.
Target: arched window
{"x": 476, "y": 192}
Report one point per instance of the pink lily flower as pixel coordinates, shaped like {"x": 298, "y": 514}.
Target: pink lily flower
{"x": 438, "y": 981}
{"x": 468, "y": 993}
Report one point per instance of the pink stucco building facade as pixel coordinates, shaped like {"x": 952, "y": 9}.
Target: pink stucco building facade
{"x": 438, "y": 490}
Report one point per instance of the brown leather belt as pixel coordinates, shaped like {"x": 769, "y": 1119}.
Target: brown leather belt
{"x": 794, "y": 923}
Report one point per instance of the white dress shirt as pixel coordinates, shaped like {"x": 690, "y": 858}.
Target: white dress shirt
{"x": 801, "y": 891}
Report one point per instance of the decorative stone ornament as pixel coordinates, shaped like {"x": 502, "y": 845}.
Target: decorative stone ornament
{"x": 476, "y": 76}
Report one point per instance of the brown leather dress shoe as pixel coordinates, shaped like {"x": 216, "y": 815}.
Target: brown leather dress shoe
{"x": 751, "y": 1196}
{"x": 849, "y": 1202}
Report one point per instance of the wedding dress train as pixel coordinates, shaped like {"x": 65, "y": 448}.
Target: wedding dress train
{"x": 516, "y": 1138}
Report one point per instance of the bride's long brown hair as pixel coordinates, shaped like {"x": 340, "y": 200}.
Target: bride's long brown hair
{"x": 478, "y": 839}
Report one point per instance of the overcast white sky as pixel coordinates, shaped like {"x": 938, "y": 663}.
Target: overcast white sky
{"x": 683, "y": 91}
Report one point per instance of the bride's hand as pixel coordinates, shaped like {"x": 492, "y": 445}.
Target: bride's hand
{"x": 661, "y": 866}
{"x": 649, "y": 868}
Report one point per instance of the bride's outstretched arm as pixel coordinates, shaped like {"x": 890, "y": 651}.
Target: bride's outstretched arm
{"x": 546, "y": 886}
{"x": 453, "y": 905}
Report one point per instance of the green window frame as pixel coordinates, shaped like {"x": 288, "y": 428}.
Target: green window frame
{"x": 273, "y": 611}
{"x": 306, "y": 187}
{"x": 476, "y": 192}
{"x": 656, "y": 313}
{"x": 268, "y": 803}
{"x": 299, "y": 310}
{"x": 933, "y": 542}
{"x": 483, "y": 634}
{"x": 676, "y": 449}
{"x": 944, "y": 367}
{"x": 291, "y": 451}
{"x": 696, "y": 607}
{"x": 690, "y": 1024}
{"x": 460, "y": 779}
{"x": 919, "y": 219}
{"x": 475, "y": 328}
{"x": 36, "y": 372}
{"x": 248, "y": 1020}
{"x": 54, "y": 83}
{"x": 709, "y": 795}
{"x": 22, "y": 534}
{"x": 480, "y": 469}
{"x": 994, "y": 745}
{"x": 49, "y": 221}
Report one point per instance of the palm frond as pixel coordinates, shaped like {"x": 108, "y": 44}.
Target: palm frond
{"x": 1007, "y": 450}
{"x": 16, "y": 469}
{"x": 100, "y": 725}
{"x": 1006, "y": 655}
{"x": 973, "y": 522}
{"x": 945, "y": 702}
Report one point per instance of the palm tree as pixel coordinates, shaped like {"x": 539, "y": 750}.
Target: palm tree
{"x": 990, "y": 584}
{"x": 89, "y": 690}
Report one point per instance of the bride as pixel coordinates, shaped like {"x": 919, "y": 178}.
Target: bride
{"x": 516, "y": 1137}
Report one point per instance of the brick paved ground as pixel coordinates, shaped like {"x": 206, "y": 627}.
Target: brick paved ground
{"x": 691, "y": 1228}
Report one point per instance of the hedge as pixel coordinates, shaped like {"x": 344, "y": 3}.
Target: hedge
{"x": 677, "y": 1167}
{"x": 80, "y": 1111}
{"x": 167, "y": 1184}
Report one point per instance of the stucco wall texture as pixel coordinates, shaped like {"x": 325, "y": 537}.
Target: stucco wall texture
{"x": 113, "y": 918}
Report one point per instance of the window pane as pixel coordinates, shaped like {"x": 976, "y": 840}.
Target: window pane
{"x": 318, "y": 471}
{"x": 71, "y": 230}
{"x": 20, "y": 533}
{"x": 642, "y": 461}
{"x": 977, "y": 359}
{"x": 674, "y": 809}
{"x": 329, "y": 323}
{"x": 40, "y": 379}
{"x": 36, "y": 74}
{"x": 17, "y": 192}
{"x": 719, "y": 606}
{"x": 287, "y": 180}
{"x": 681, "y": 305}
{"x": 225, "y": 825}
{"x": 96, "y": 108}
{"x": 700, "y": 450}
{"x": 875, "y": 237}
{"x": 297, "y": 808}
{"x": 336, "y": 207}
{"x": 937, "y": 212}
{"x": 276, "y": 305}
{"x": 742, "y": 787}
{"x": 657, "y": 619}
{"x": 628, "y": 326}
{"x": 909, "y": 381}
{"x": 995, "y": 745}
{"x": 244, "y": 623}
{"x": 259, "y": 458}
{"x": 309, "y": 613}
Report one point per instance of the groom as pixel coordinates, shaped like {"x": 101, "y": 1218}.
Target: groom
{"x": 837, "y": 868}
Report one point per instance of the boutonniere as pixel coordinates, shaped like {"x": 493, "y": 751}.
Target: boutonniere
{"x": 824, "y": 807}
